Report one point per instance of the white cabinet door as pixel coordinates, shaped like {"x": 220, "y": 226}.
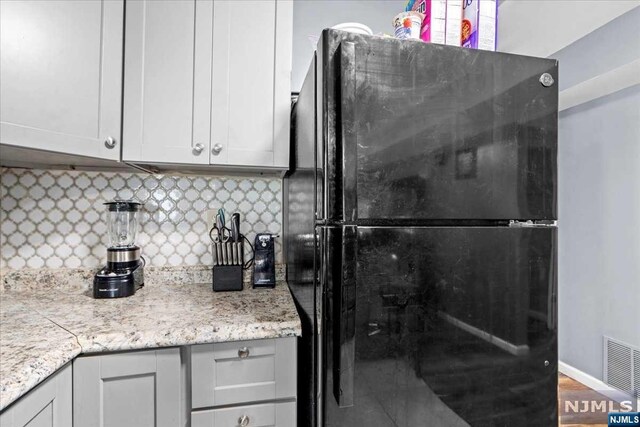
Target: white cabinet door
{"x": 139, "y": 389}
{"x": 167, "y": 89}
{"x": 61, "y": 68}
{"x": 251, "y": 83}
{"x": 48, "y": 405}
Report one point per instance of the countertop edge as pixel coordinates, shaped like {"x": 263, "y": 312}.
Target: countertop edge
{"x": 90, "y": 346}
{"x": 34, "y": 369}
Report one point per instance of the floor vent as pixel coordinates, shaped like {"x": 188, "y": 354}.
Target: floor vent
{"x": 621, "y": 365}
{"x": 636, "y": 371}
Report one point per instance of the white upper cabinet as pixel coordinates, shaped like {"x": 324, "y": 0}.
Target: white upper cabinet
{"x": 167, "y": 88}
{"x": 251, "y": 83}
{"x": 208, "y": 82}
{"x": 61, "y": 76}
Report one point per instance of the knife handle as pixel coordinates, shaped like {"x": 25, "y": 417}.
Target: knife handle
{"x": 235, "y": 227}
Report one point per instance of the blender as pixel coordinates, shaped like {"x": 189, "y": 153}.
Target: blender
{"x": 123, "y": 274}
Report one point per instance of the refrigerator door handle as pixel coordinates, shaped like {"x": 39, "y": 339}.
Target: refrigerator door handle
{"x": 348, "y": 131}
{"x": 343, "y": 265}
{"x": 345, "y": 318}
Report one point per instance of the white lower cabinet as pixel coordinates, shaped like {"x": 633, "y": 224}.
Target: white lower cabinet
{"x": 47, "y": 405}
{"x": 241, "y": 383}
{"x": 241, "y": 372}
{"x": 262, "y": 415}
{"x": 141, "y": 388}
{"x": 244, "y": 383}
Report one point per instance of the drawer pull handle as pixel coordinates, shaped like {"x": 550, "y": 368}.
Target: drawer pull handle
{"x": 243, "y": 353}
{"x": 243, "y": 421}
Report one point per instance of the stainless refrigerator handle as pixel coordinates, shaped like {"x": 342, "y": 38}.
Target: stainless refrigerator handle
{"x": 344, "y": 334}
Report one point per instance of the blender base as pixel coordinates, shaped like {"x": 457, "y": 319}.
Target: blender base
{"x": 108, "y": 283}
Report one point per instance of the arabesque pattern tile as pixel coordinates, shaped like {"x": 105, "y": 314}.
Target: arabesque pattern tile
{"x": 55, "y": 219}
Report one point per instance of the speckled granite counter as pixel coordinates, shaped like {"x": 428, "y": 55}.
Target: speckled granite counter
{"x": 44, "y": 327}
{"x": 31, "y": 348}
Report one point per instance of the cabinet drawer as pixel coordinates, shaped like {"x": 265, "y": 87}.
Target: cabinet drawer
{"x": 267, "y": 414}
{"x": 243, "y": 371}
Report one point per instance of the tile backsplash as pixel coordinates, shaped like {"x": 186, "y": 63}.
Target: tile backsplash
{"x": 56, "y": 219}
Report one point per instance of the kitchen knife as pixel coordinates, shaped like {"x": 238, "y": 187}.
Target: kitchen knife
{"x": 224, "y": 254}
{"x": 235, "y": 227}
{"x": 234, "y": 255}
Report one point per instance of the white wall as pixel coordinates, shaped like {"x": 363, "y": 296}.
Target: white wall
{"x": 598, "y": 165}
{"x": 542, "y": 27}
{"x": 310, "y": 17}
{"x": 599, "y": 237}
{"x": 599, "y": 200}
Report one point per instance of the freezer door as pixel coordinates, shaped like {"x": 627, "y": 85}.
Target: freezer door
{"x": 442, "y": 326}
{"x": 425, "y": 131}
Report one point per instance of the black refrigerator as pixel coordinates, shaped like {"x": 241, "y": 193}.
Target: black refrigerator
{"x": 420, "y": 235}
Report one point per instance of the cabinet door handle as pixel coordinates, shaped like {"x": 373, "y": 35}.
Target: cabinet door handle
{"x": 216, "y": 149}
{"x": 244, "y": 421}
{"x": 243, "y": 352}
{"x": 110, "y": 143}
{"x": 197, "y": 149}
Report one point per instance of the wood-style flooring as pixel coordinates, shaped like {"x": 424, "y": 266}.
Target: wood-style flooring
{"x": 568, "y": 385}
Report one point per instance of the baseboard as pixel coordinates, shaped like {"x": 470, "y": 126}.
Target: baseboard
{"x": 592, "y": 382}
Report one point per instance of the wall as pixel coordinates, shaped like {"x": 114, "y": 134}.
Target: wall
{"x": 56, "y": 219}
{"x": 599, "y": 217}
{"x": 598, "y": 166}
{"x": 310, "y": 17}
{"x": 599, "y": 200}
{"x": 543, "y": 27}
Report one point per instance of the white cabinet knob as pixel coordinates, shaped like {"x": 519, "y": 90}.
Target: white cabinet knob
{"x": 197, "y": 149}
{"x": 243, "y": 353}
{"x": 243, "y": 421}
{"x": 110, "y": 143}
{"x": 216, "y": 149}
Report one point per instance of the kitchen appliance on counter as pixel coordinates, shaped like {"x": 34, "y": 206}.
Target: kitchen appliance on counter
{"x": 420, "y": 237}
{"x": 124, "y": 272}
{"x": 264, "y": 264}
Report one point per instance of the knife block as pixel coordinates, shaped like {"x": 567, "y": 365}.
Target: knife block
{"x": 227, "y": 278}
{"x": 228, "y": 261}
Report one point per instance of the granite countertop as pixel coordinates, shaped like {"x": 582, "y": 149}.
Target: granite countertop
{"x": 44, "y": 326}
{"x": 31, "y": 348}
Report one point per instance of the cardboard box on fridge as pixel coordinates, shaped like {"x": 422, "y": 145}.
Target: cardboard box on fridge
{"x": 479, "y": 24}
{"x": 433, "y": 25}
{"x": 454, "y": 22}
